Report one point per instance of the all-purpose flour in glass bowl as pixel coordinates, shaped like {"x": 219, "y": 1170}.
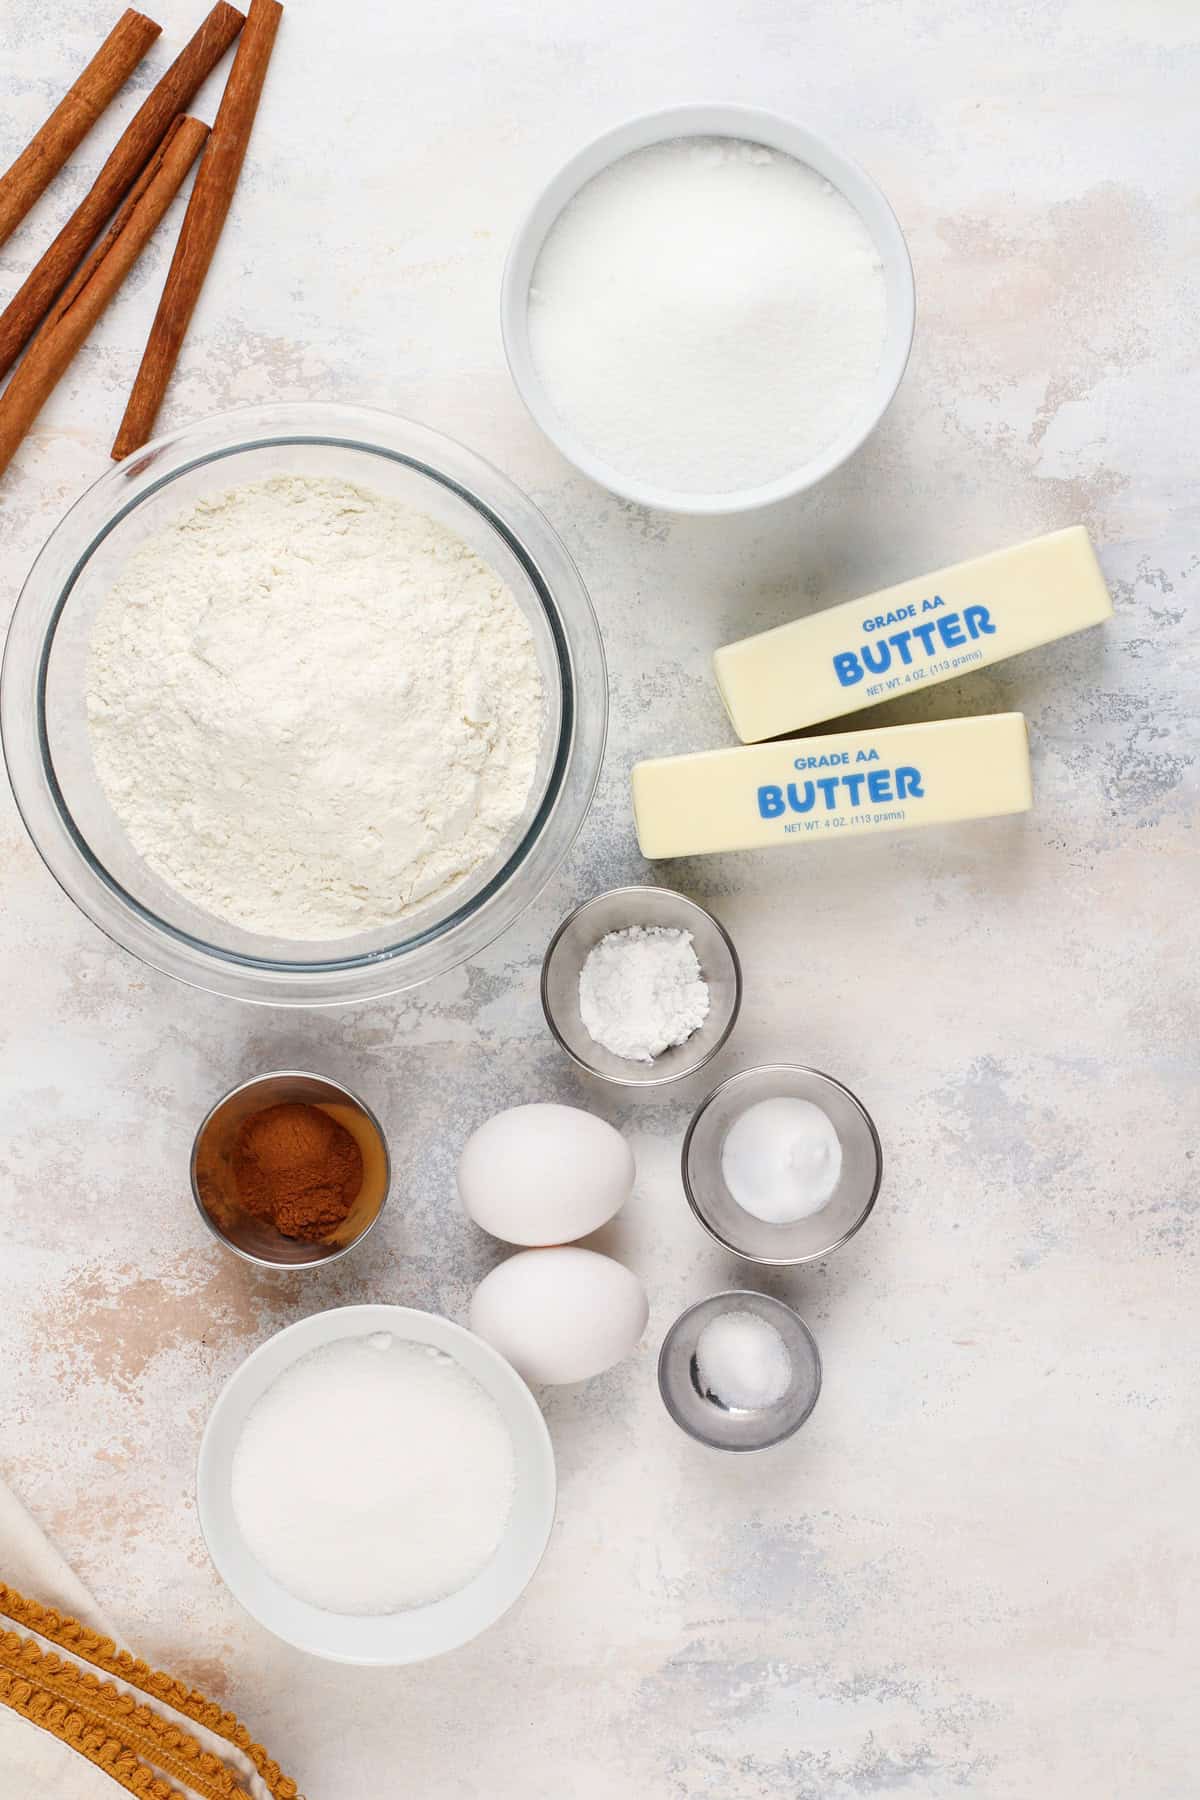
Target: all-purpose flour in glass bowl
{"x": 315, "y": 710}
{"x": 115, "y": 867}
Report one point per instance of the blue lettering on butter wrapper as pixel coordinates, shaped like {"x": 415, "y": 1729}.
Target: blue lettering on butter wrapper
{"x": 903, "y": 648}
{"x": 837, "y": 793}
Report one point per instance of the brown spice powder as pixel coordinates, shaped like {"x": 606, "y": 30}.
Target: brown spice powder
{"x": 297, "y": 1167}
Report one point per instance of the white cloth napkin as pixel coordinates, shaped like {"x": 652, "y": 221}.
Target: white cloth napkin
{"x": 32, "y": 1761}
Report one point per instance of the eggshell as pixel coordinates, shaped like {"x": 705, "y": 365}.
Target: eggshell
{"x": 560, "y": 1315}
{"x": 544, "y": 1174}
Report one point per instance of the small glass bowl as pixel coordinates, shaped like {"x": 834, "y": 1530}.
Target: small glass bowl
{"x": 617, "y": 910}
{"x": 43, "y": 713}
{"x": 256, "y": 1240}
{"x": 738, "y": 1428}
{"x": 806, "y": 1240}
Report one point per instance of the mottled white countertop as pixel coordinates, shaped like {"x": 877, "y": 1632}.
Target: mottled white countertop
{"x": 976, "y": 1569}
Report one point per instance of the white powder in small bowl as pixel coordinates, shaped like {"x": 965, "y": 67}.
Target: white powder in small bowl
{"x": 782, "y": 1160}
{"x": 373, "y": 1476}
{"x": 641, "y": 991}
{"x": 708, "y": 315}
{"x": 742, "y": 1362}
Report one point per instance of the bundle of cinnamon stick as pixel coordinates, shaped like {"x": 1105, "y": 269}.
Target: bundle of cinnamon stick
{"x": 74, "y": 280}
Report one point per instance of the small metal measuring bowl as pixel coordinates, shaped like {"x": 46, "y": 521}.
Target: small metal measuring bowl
{"x": 214, "y": 1188}
{"x": 724, "y": 1427}
{"x": 617, "y": 910}
{"x": 805, "y": 1240}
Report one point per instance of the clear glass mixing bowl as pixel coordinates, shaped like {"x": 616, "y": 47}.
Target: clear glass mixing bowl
{"x": 44, "y": 723}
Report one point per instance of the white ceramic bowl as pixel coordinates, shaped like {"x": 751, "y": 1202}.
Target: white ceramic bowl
{"x": 758, "y": 127}
{"x": 392, "y": 1638}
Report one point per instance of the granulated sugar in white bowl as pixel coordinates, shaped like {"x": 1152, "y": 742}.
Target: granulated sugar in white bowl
{"x": 410, "y": 1493}
{"x": 708, "y": 314}
{"x": 708, "y": 309}
{"x": 376, "y": 1457}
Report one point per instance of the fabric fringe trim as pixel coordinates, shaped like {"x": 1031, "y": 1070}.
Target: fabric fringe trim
{"x": 109, "y": 1727}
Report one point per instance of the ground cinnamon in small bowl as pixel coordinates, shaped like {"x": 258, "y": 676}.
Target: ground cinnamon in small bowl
{"x": 297, "y": 1167}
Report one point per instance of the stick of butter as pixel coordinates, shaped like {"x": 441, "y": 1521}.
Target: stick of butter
{"x": 846, "y": 784}
{"x": 922, "y": 631}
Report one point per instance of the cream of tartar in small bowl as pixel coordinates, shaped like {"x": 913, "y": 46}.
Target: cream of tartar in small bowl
{"x": 617, "y": 912}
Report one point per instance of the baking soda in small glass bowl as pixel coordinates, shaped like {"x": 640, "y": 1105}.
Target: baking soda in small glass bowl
{"x": 782, "y": 1160}
{"x": 739, "y": 1371}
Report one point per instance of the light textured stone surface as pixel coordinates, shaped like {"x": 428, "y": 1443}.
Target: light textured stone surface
{"x": 977, "y": 1569}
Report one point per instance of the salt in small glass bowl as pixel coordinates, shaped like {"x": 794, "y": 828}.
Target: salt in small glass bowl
{"x": 617, "y": 910}
{"x": 805, "y": 1240}
{"x": 734, "y": 1427}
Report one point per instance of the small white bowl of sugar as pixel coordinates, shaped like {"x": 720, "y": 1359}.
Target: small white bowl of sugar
{"x": 708, "y": 309}
{"x": 376, "y": 1485}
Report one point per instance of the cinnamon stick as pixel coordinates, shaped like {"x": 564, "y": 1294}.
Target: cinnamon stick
{"x": 73, "y": 117}
{"x": 87, "y": 269}
{"x": 136, "y": 144}
{"x": 210, "y": 199}
{"x": 72, "y": 317}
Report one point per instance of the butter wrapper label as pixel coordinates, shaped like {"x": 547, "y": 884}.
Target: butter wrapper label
{"x": 847, "y": 784}
{"x": 913, "y": 635}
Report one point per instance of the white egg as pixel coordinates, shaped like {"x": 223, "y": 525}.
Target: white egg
{"x": 544, "y": 1174}
{"x": 560, "y": 1315}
